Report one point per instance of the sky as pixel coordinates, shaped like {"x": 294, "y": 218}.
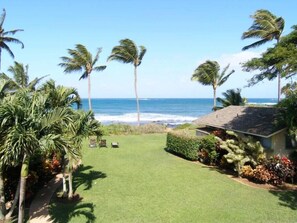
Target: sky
{"x": 179, "y": 35}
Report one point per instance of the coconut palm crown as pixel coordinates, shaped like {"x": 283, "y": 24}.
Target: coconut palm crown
{"x": 5, "y": 37}
{"x": 207, "y": 73}
{"x": 81, "y": 60}
{"x": 265, "y": 27}
{"x": 128, "y": 52}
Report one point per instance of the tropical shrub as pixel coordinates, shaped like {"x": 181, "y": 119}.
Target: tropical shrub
{"x": 208, "y": 150}
{"x": 261, "y": 174}
{"x": 281, "y": 168}
{"x": 242, "y": 150}
{"x": 247, "y": 172}
{"x": 183, "y": 144}
{"x": 275, "y": 171}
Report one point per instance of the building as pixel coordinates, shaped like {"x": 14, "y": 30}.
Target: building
{"x": 259, "y": 122}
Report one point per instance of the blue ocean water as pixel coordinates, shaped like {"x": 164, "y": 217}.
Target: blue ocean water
{"x": 171, "y": 111}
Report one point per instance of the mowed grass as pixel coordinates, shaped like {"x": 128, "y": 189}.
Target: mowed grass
{"x": 141, "y": 182}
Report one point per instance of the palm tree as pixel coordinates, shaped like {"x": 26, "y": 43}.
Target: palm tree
{"x": 81, "y": 60}
{"x": 6, "y": 38}
{"x": 266, "y": 27}
{"x": 128, "y": 52}
{"x": 84, "y": 125}
{"x": 207, "y": 73}
{"x": 27, "y": 126}
{"x": 232, "y": 97}
{"x": 60, "y": 96}
{"x": 20, "y": 77}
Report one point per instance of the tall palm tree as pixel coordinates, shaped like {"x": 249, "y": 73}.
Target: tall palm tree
{"x": 207, "y": 73}
{"x": 128, "y": 52}
{"x": 81, "y": 60}
{"x": 5, "y": 37}
{"x": 266, "y": 27}
{"x": 232, "y": 97}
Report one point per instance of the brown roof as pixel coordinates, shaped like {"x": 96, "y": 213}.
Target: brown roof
{"x": 259, "y": 121}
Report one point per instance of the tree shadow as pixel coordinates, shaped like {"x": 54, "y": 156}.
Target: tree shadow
{"x": 63, "y": 210}
{"x": 286, "y": 198}
{"x": 82, "y": 177}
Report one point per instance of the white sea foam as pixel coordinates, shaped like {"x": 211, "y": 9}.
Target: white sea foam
{"x": 262, "y": 103}
{"x": 144, "y": 118}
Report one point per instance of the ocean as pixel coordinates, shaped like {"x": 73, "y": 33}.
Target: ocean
{"x": 168, "y": 111}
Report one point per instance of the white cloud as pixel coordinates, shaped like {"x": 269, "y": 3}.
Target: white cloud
{"x": 235, "y": 60}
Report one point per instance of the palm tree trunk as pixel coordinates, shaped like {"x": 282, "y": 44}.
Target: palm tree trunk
{"x": 15, "y": 201}
{"x": 64, "y": 164}
{"x": 24, "y": 175}
{"x": 70, "y": 193}
{"x": 2, "y": 197}
{"x": 136, "y": 94}
{"x": 0, "y": 57}
{"x": 214, "y": 99}
{"x": 278, "y": 87}
{"x": 89, "y": 92}
{"x": 278, "y": 79}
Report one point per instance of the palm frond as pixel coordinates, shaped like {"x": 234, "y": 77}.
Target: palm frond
{"x": 99, "y": 68}
{"x": 11, "y": 40}
{"x": 84, "y": 75}
{"x": 4, "y": 46}
{"x": 96, "y": 56}
{"x": 223, "y": 77}
{"x": 141, "y": 54}
{"x": 2, "y": 18}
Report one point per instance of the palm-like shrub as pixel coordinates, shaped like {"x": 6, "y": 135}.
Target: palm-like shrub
{"x": 232, "y": 97}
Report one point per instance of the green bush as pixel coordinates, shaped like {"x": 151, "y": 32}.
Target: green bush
{"x": 207, "y": 150}
{"x": 183, "y": 144}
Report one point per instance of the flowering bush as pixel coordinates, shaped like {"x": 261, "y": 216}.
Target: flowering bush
{"x": 275, "y": 171}
{"x": 282, "y": 168}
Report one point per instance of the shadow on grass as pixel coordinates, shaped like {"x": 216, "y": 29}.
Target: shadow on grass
{"x": 82, "y": 177}
{"x": 63, "y": 210}
{"x": 286, "y": 198}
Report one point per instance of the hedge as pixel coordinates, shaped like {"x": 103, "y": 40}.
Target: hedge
{"x": 183, "y": 144}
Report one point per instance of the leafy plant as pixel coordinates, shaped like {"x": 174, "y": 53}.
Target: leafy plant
{"x": 208, "y": 150}
{"x": 242, "y": 150}
{"x": 262, "y": 175}
{"x": 247, "y": 172}
{"x": 183, "y": 144}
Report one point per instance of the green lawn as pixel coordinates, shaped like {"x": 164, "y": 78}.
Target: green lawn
{"x": 140, "y": 182}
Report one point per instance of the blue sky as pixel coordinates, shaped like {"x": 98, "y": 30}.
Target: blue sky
{"x": 178, "y": 34}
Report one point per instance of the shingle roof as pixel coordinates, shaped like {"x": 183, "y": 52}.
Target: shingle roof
{"x": 259, "y": 121}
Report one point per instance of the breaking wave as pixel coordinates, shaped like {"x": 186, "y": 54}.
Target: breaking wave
{"x": 131, "y": 118}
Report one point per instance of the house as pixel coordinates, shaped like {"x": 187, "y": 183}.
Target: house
{"x": 259, "y": 122}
